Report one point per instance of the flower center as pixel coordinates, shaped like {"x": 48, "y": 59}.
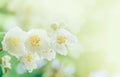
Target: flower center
{"x": 34, "y": 40}
{"x": 14, "y": 41}
{"x": 28, "y": 57}
{"x": 61, "y": 39}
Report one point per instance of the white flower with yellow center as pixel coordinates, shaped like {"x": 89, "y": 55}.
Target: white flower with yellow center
{"x": 61, "y": 39}
{"x": 13, "y": 42}
{"x": 37, "y": 41}
{"x": 29, "y": 61}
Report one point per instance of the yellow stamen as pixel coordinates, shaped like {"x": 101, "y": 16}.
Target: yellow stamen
{"x": 14, "y": 41}
{"x": 28, "y": 57}
{"x": 34, "y": 40}
{"x": 61, "y": 39}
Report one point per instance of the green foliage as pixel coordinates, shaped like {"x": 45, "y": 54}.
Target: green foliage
{"x": 1, "y": 38}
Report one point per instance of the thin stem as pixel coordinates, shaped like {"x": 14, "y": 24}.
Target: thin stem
{"x": 2, "y": 70}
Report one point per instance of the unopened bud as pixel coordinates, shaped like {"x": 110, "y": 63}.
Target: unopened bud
{"x": 7, "y": 69}
{"x": 55, "y": 26}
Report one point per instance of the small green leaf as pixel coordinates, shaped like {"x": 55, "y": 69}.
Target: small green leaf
{"x": 2, "y": 53}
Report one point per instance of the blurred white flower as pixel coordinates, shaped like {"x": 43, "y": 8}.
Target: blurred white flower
{"x": 29, "y": 62}
{"x": 41, "y": 63}
{"x": 6, "y": 61}
{"x": 116, "y": 75}
{"x": 99, "y": 73}
{"x": 37, "y": 41}
{"x": 20, "y": 69}
{"x": 69, "y": 70}
{"x": 56, "y": 64}
{"x": 13, "y": 42}
{"x": 61, "y": 39}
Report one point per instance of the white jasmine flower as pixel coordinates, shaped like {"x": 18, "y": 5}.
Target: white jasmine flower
{"x": 13, "y": 42}
{"x": 37, "y": 41}
{"x": 61, "y": 39}
{"x": 29, "y": 61}
{"x": 56, "y": 64}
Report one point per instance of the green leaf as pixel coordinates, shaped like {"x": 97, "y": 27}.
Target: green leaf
{"x": 2, "y": 53}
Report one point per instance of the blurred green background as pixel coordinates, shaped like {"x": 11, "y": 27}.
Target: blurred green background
{"x": 94, "y": 22}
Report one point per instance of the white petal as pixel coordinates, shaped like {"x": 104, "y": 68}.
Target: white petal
{"x": 40, "y": 32}
{"x": 61, "y": 49}
{"x": 51, "y": 55}
{"x": 70, "y": 37}
{"x": 30, "y": 67}
{"x": 47, "y": 54}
